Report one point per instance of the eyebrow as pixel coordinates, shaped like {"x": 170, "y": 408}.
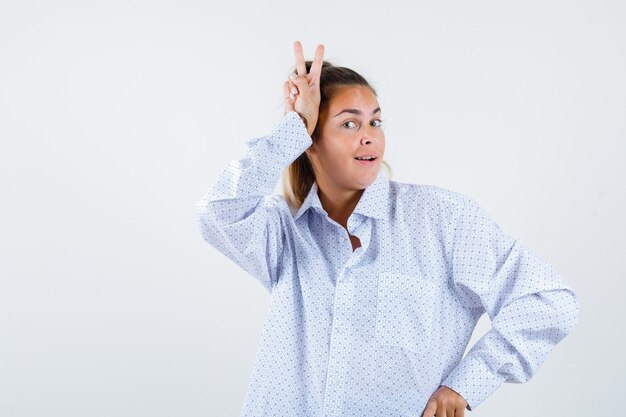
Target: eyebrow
{"x": 356, "y": 111}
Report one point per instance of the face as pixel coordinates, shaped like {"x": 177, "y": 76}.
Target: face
{"x": 348, "y": 128}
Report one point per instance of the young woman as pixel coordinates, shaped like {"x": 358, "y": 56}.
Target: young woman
{"x": 376, "y": 285}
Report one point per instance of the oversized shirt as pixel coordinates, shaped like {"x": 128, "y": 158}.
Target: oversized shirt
{"x": 375, "y": 331}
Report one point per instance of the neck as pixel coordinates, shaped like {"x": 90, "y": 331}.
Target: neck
{"x": 338, "y": 203}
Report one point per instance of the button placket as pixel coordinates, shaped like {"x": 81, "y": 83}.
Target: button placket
{"x": 363, "y": 230}
{"x": 343, "y": 296}
{"x": 336, "y": 373}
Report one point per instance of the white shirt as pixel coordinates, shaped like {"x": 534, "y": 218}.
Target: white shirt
{"x": 375, "y": 331}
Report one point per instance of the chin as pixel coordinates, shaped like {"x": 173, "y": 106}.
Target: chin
{"x": 367, "y": 180}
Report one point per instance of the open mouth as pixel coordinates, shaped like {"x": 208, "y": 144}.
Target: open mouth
{"x": 366, "y": 160}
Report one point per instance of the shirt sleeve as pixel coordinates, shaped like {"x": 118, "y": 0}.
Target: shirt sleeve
{"x": 238, "y": 215}
{"x": 531, "y": 308}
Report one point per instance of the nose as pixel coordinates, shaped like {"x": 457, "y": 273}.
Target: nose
{"x": 369, "y": 134}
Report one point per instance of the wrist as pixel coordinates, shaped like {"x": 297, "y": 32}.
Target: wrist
{"x": 303, "y": 120}
{"x": 306, "y": 124}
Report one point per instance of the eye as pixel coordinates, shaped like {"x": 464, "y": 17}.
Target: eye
{"x": 349, "y": 121}
{"x": 380, "y": 123}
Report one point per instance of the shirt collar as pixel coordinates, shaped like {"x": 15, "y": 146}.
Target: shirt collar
{"x": 374, "y": 201}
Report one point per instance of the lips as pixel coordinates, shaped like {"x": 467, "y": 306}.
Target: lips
{"x": 366, "y": 162}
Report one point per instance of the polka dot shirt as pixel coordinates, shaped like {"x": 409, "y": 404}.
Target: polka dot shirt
{"x": 376, "y": 330}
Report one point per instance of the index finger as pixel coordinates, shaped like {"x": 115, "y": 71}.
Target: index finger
{"x": 316, "y": 66}
{"x": 300, "y": 64}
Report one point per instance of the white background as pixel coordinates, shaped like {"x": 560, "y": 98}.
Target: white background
{"x": 116, "y": 116}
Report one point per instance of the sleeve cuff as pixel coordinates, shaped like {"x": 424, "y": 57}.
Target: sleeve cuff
{"x": 286, "y": 142}
{"x": 474, "y": 380}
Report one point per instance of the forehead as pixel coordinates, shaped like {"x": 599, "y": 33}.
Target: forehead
{"x": 353, "y": 97}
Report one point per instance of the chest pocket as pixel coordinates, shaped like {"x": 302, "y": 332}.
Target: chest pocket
{"x": 405, "y": 311}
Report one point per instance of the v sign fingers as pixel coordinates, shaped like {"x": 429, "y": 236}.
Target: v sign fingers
{"x": 306, "y": 97}
{"x": 316, "y": 65}
{"x": 297, "y": 51}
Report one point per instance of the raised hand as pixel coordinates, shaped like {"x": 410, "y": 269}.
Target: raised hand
{"x": 302, "y": 91}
